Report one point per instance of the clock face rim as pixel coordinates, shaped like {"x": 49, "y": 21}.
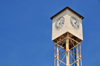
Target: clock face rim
{"x": 73, "y": 25}
{"x": 61, "y": 23}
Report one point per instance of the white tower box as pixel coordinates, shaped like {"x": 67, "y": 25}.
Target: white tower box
{"x": 70, "y": 25}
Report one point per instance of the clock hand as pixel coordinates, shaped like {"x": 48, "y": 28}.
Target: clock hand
{"x": 75, "y": 22}
{"x": 58, "y": 24}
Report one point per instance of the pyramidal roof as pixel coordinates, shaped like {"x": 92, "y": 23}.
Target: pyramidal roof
{"x": 65, "y": 9}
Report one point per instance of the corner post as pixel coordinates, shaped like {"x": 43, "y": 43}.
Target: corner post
{"x": 67, "y": 51}
{"x": 57, "y": 54}
{"x": 77, "y": 55}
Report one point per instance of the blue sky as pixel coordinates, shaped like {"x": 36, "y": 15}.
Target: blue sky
{"x": 26, "y": 30}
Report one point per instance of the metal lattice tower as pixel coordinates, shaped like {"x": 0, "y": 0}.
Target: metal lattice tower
{"x": 67, "y": 52}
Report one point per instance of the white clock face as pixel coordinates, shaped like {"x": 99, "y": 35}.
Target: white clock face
{"x": 74, "y": 22}
{"x": 59, "y": 23}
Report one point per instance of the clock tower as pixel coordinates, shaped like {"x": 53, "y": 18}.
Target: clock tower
{"x": 67, "y": 35}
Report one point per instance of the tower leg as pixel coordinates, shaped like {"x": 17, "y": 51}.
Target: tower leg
{"x": 77, "y": 56}
{"x": 57, "y": 54}
{"x": 67, "y": 51}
